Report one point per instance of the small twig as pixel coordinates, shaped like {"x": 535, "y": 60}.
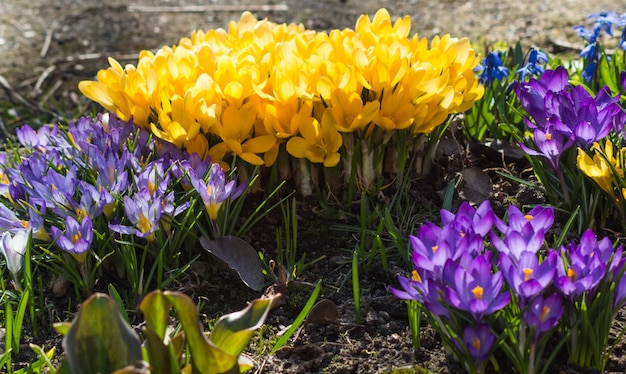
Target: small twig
{"x": 97, "y": 56}
{"x": 14, "y": 97}
{"x": 206, "y": 8}
{"x": 44, "y": 98}
{"x": 3, "y": 127}
{"x": 43, "y": 77}
{"x": 11, "y": 93}
{"x": 575, "y": 46}
{"x": 48, "y": 39}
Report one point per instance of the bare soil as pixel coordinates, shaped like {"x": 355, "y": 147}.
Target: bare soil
{"x": 47, "y": 46}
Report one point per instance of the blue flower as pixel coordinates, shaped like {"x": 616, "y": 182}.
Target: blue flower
{"x": 605, "y": 22}
{"x": 532, "y": 67}
{"x": 492, "y": 68}
{"x": 622, "y": 41}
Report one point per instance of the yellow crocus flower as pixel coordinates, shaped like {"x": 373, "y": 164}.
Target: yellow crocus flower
{"x": 349, "y": 111}
{"x": 599, "y": 168}
{"x": 319, "y": 143}
{"x": 235, "y": 130}
{"x": 255, "y": 85}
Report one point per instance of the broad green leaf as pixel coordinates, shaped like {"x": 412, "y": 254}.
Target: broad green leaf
{"x": 62, "y": 327}
{"x": 206, "y": 358}
{"x": 99, "y": 340}
{"x": 608, "y": 75}
{"x": 233, "y": 331}
{"x": 177, "y": 344}
{"x": 156, "y": 309}
{"x": 159, "y": 355}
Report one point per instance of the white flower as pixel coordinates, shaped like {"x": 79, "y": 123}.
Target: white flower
{"x": 13, "y": 249}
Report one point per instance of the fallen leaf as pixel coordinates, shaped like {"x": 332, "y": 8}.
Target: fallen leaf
{"x": 477, "y": 185}
{"x": 239, "y": 256}
{"x": 324, "y": 312}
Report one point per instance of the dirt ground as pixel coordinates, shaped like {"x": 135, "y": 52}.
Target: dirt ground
{"x": 47, "y": 46}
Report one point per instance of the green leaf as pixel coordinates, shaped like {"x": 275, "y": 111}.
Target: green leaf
{"x": 99, "y": 340}
{"x": 158, "y": 354}
{"x": 299, "y": 319}
{"x": 19, "y": 316}
{"x": 156, "y": 308}
{"x": 62, "y": 327}
{"x": 233, "y": 331}
{"x": 607, "y": 75}
{"x": 206, "y": 358}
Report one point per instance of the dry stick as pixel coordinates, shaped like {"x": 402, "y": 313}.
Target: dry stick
{"x": 206, "y": 8}
{"x": 15, "y": 96}
{"x": 11, "y": 93}
{"x": 97, "y": 56}
{"x": 575, "y": 46}
{"x": 48, "y": 39}
{"x": 3, "y": 127}
{"x": 43, "y": 77}
{"x": 46, "y": 96}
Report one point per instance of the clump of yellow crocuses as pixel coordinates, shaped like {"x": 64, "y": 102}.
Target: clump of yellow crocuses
{"x": 260, "y": 88}
{"x": 606, "y": 169}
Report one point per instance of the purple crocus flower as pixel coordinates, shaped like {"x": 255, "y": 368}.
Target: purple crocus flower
{"x": 169, "y": 209}
{"x": 36, "y": 223}
{"x": 214, "y": 192}
{"x": 423, "y": 289}
{"x": 619, "y": 298}
{"x": 153, "y": 180}
{"x": 76, "y": 238}
{"x": 479, "y": 341}
{"x": 527, "y": 277}
{"x": 479, "y": 220}
{"x": 580, "y": 268}
{"x": 119, "y": 131}
{"x": 544, "y": 313}
{"x": 430, "y": 250}
{"x": 434, "y": 246}
{"x": 559, "y": 107}
{"x": 585, "y": 117}
{"x": 143, "y": 214}
{"x": 92, "y": 200}
{"x": 56, "y": 189}
{"x": 550, "y": 144}
{"x": 531, "y": 94}
{"x": 476, "y": 289}
{"x": 193, "y": 163}
{"x": 538, "y": 218}
{"x": 9, "y": 221}
{"x": 36, "y": 140}
{"x": 524, "y": 232}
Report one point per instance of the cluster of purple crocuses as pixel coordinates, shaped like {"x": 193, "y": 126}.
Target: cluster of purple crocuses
{"x": 566, "y": 115}
{"x": 483, "y": 280}
{"x": 83, "y": 187}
